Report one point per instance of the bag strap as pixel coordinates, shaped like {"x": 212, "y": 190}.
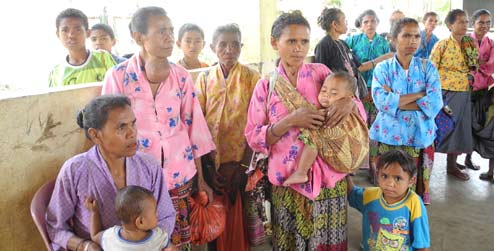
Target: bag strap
{"x": 273, "y": 77}
{"x": 424, "y": 66}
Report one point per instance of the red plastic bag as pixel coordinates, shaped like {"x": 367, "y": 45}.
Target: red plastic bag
{"x": 207, "y": 222}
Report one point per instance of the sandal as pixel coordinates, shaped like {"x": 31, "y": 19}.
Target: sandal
{"x": 458, "y": 174}
{"x": 486, "y": 176}
{"x": 472, "y": 166}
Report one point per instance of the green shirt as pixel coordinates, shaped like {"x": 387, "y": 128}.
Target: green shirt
{"x": 93, "y": 70}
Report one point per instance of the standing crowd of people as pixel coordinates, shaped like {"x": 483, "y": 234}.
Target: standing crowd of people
{"x": 157, "y": 134}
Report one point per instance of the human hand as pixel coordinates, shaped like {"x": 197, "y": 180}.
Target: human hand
{"x": 386, "y": 88}
{"x": 91, "y": 204}
{"x": 203, "y": 186}
{"x": 340, "y": 109}
{"x": 307, "y": 118}
{"x": 170, "y": 247}
{"x": 93, "y": 246}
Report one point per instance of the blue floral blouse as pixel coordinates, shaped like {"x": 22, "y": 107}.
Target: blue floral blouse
{"x": 399, "y": 127}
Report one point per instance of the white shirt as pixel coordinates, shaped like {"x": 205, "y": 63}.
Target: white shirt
{"x": 111, "y": 240}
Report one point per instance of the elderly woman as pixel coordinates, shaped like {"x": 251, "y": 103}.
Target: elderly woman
{"x": 113, "y": 163}
{"x": 455, "y": 58}
{"x": 407, "y": 94}
{"x": 224, "y": 92}
{"x": 273, "y": 129}
{"x": 371, "y": 48}
{"x": 481, "y": 96}
{"x": 428, "y": 38}
{"x": 171, "y": 125}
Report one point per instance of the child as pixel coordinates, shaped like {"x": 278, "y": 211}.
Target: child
{"x": 191, "y": 41}
{"x": 136, "y": 209}
{"x": 103, "y": 38}
{"x": 80, "y": 65}
{"x": 394, "y": 216}
{"x": 350, "y": 155}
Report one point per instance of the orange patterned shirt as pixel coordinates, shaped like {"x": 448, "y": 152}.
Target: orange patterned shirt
{"x": 225, "y": 102}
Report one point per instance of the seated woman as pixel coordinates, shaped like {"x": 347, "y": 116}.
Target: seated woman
{"x": 113, "y": 163}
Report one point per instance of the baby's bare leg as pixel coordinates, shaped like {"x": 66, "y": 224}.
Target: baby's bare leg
{"x": 309, "y": 155}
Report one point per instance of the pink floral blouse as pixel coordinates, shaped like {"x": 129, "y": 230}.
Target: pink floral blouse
{"x": 284, "y": 155}
{"x": 483, "y": 77}
{"x": 173, "y": 122}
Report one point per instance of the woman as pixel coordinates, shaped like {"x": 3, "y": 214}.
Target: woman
{"x": 454, "y": 67}
{"x": 224, "y": 93}
{"x": 428, "y": 38}
{"x": 481, "y": 96}
{"x": 272, "y": 130}
{"x": 371, "y": 48}
{"x": 111, "y": 164}
{"x": 171, "y": 125}
{"x": 407, "y": 94}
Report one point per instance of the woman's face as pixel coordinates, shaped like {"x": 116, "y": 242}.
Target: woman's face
{"x": 482, "y": 25}
{"x": 408, "y": 40}
{"x": 341, "y": 25}
{"x": 117, "y": 138}
{"x": 459, "y": 27}
{"x": 430, "y": 23}
{"x": 369, "y": 25}
{"x": 159, "y": 40}
{"x": 227, "y": 48}
{"x": 293, "y": 44}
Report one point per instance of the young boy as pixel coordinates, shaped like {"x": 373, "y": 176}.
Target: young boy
{"x": 136, "y": 209}
{"x": 349, "y": 139}
{"x": 191, "y": 41}
{"x": 103, "y": 38}
{"x": 394, "y": 216}
{"x": 80, "y": 65}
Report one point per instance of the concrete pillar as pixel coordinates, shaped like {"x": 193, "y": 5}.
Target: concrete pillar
{"x": 268, "y": 12}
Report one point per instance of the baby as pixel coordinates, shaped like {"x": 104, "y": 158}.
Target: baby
{"x": 136, "y": 209}
{"x": 344, "y": 146}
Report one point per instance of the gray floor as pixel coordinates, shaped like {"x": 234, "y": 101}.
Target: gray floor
{"x": 461, "y": 215}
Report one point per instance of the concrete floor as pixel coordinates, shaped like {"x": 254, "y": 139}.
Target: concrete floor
{"x": 461, "y": 215}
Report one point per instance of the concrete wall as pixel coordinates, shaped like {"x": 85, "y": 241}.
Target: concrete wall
{"x": 39, "y": 134}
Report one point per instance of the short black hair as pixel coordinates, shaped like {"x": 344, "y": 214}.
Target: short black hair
{"x": 453, "y": 15}
{"x": 72, "y": 13}
{"x": 227, "y": 28}
{"x": 429, "y": 14}
{"x": 286, "y": 19}
{"x": 477, "y": 14}
{"x": 188, "y": 27}
{"x": 358, "y": 21}
{"x": 328, "y": 16}
{"x": 106, "y": 28}
{"x": 95, "y": 113}
{"x": 351, "y": 81}
{"x": 129, "y": 203}
{"x": 140, "y": 19}
{"x": 401, "y": 158}
{"x": 398, "y": 25}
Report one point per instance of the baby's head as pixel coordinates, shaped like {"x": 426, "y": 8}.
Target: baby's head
{"x": 135, "y": 207}
{"x": 396, "y": 174}
{"x": 337, "y": 86}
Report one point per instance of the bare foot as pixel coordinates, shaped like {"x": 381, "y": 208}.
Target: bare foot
{"x": 296, "y": 178}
